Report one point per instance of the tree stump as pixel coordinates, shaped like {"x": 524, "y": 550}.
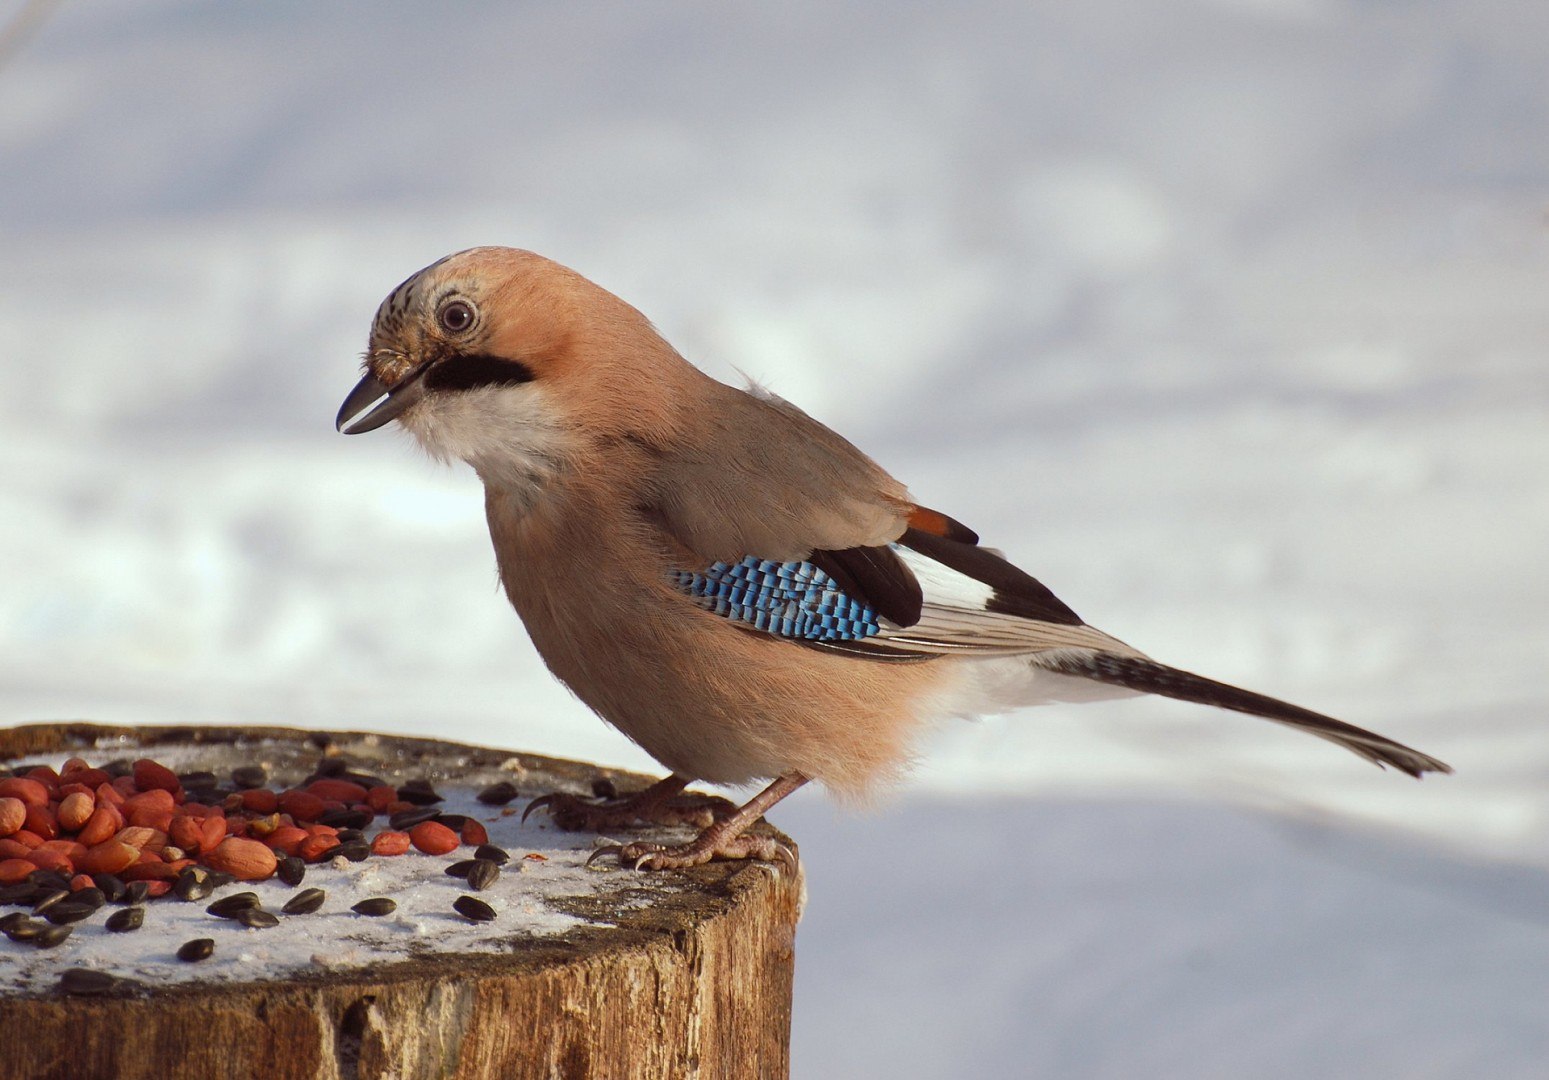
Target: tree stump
{"x": 582, "y": 973}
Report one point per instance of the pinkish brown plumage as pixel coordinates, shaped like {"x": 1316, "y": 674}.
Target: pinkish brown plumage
{"x": 727, "y": 581}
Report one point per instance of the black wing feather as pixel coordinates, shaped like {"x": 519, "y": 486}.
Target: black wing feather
{"x": 1015, "y": 591}
{"x": 876, "y": 576}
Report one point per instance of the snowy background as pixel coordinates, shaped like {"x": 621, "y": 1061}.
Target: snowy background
{"x": 1226, "y": 318}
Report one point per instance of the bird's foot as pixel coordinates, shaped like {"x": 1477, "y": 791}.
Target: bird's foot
{"x": 714, "y": 843}
{"x": 663, "y": 803}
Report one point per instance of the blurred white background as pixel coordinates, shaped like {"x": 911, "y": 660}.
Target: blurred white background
{"x": 1225, "y": 318}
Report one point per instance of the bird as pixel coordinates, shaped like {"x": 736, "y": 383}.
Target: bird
{"x": 724, "y": 579}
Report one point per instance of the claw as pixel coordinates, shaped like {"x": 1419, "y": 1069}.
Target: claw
{"x": 540, "y": 801}
{"x": 606, "y": 849}
{"x": 784, "y": 854}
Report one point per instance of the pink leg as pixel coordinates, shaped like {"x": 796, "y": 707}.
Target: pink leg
{"x": 663, "y": 803}
{"x": 725, "y": 839}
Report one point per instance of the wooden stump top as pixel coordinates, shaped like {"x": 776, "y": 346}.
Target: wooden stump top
{"x": 583, "y": 972}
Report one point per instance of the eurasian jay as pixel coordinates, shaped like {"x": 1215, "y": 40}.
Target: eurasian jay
{"x": 724, "y": 579}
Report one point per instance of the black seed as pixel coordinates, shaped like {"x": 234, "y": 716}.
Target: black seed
{"x": 418, "y": 792}
{"x": 49, "y": 879}
{"x": 250, "y": 776}
{"x": 208, "y": 796}
{"x": 227, "y": 907}
{"x": 407, "y": 819}
{"x": 491, "y": 853}
{"x": 498, "y": 794}
{"x": 193, "y": 884}
{"x": 329, "y": 852}
{"x": 365, "y": 780}
{"x": 112, "y": 886}
{"x": 14, "y": 918}
{"x": 344, "y": 836}
{"x": 202, "y": 778}
{"x": 118, "y": 767}
{"x": 219, "y": 879}
{"x": 257, "y": 918}
{"x": 52, "y": 936}
{"x": 23, "y": 892}
{"x": 195, "y": 950}
{"x": 483, "y": 875}
{"x": 455, "y": 822}
{"x": 26, "y": 930}
{"x": 330, "y": 767}
{"x": 85, "y": 981}
{"x": 376, "y": 905}
{"x": 355, "y": 851}
{"x": 603, "y": 788}
{"x": 49, "y": 899}
{"x": 136, "y": 892}
{"x": 460, "y": 868}
{"x": 69, "y": 911}
{"x": 292, "y": 869}
{"x": 346, "y": 819}
{"x": 126, "y": 919}
{"x": 90, "y": 895}
{"x": 473, "y": 909}
{"x": 305, "y": 902}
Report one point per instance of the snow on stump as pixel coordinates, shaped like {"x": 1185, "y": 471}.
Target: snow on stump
{"x": 521, "y": 962}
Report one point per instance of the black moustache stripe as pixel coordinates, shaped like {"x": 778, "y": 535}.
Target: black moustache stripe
{"x": 463, "y": 372}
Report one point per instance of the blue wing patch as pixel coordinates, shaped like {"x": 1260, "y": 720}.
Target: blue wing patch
{"x": 791, "y": 599}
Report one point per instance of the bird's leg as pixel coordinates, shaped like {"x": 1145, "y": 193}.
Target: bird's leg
{"x": 725, "y": 839}
{"x": 663, "y": 803}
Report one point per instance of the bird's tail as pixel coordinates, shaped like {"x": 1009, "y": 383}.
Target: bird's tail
{"x": 1147, "y": 676}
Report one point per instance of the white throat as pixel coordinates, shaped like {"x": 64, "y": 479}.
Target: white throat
{"x": 507, "y": 433}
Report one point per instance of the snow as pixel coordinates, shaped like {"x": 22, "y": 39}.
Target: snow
{"x": 1225, "y": 318}
{"x": 547, "y": 870}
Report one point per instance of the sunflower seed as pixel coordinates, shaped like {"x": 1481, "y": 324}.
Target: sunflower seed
{"x": 193, "y": 884}
{"x": 227, "y": 907}
{"x": 198, "y": 949}
{"x": 407, "y": 819}
{"x": 418, "y": 792}
{"x": 25, "y": 930}
{"x": 305, "y": 902}
{"x": 69, "y": 911}
{"x": 483, "y": 875}
{"x": 250, "y": 776}
{"x": 112, "y": 886}
{"x": 49, "y": 899}
{"x": 498, "y": 794}
{"x": 52, "y": 936}
{"x": 473, "y": 909}
{"x": 257, "y": 918}
{"x": 376, "y": 905}
{"x": 84, "y": 981}
{"x": 496, "y": 855}
{"x": 126, "y": 919}
{"x": 346, "y": 819}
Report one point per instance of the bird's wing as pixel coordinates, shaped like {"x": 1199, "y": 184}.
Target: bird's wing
{"x": 757, "y": 476}
{"x": 791, "y": 530}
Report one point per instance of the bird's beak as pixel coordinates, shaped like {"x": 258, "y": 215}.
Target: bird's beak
{"x": 394, "y": 400}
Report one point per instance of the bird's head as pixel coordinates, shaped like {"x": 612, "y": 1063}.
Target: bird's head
{"x": 513, "y": 364}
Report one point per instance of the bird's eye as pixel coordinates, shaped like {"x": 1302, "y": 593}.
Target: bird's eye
{"x": 456, "y": 316}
